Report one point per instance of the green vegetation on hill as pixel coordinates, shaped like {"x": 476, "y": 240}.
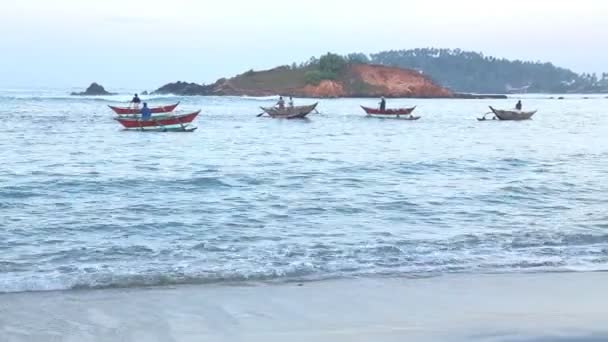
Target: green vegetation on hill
{"x": 328, "y": 67}
{"x": 473, "y": 72}
{"x": 460, "y": 71}
{"x": 463, "y": 71}
{"x": 284, "y": 77}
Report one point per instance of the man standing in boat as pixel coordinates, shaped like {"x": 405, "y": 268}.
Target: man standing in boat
{"x": 291, "y": 102}
{"x": 383, "y": 104}
{"x": 519, "y": 106}
{"x": 146, "y": 113}
{"x": 136, "y": 101}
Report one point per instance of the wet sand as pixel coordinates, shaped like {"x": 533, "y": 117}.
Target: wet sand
{"x": 511, "y": 307}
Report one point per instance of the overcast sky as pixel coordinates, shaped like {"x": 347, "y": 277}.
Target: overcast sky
{"x": 144, "y": 44}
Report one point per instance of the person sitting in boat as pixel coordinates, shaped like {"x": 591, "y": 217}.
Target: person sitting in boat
{"x": 383, "y": 104}
{"x": 281, "y": 103}
{"x": 146, "y": 113}
{"x": 290, "y": 102}
{"x": 518, "y": 106}
{"x": 135, "y": 101}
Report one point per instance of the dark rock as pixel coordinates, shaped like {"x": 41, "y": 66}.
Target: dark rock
{"x": 93, "y": 90}
{"x": 560, "y": 98}
{"x": 145, "y": 92}
{"x": 185, "y": 89}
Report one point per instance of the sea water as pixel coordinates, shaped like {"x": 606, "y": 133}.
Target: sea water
{"x": 84, "y": 204}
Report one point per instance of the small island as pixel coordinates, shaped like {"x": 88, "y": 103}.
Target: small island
{"x": 93, "y": 90}
{"x": 330, "y": 76}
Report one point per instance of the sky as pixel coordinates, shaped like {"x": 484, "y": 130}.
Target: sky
{"x": 145, "y": 44}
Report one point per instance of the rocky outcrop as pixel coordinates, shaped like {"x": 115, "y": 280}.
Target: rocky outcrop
{"x": 184, "y": 89}
{"x": 93, "y": 90}
{"x": 358, "y": 80}
{"x": 396, "y": 82}
{"x": 324, "y": 89}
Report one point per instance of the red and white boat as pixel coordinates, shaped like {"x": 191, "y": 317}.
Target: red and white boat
{"x": 135, "y": 111}
{"x": 162, "y": 123}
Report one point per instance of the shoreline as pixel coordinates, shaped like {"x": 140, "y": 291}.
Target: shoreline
{"x": 294, "y": 281}
{"x": 456, "y": 307}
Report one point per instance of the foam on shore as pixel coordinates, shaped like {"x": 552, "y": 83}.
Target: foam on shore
{"x": 510, "y": 307}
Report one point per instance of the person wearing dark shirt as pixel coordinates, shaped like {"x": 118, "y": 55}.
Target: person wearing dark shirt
{"x": 383, "y": 104}
{"x": 136, "y": 101}
{"x": 518, "y": 106}
{"x": 146, "y": 113}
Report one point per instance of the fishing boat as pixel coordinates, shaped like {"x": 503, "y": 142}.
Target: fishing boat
{"x": 392, "y": 113}
{"x": 297, "y": 112}
{"x": 164, "y": 123}
{"x": 135, "y": 111}
{"x": 389, "y": 112}
{"x": 512, "y": 115}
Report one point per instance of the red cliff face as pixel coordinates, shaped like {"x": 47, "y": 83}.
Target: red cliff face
{"x": 374, "y": 81}
{"x": 324, "y": 89}
{"x": 396, "y": 82}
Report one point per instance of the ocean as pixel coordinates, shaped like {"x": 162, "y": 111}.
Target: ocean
{"x": 86, "y": 205}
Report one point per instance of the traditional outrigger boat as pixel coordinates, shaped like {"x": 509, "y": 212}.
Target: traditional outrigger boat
{"x": 396, "y": 113}
{"x": 508, "y": 115}
{"x": 164, "y": 123}
{"x": 135, "y": 111}
{"x": 297, "y": 112}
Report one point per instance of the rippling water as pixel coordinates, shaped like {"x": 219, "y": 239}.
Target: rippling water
{"x": 85, "y": 204}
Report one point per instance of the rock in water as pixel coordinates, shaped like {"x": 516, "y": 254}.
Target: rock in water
{"x": 186, "y": 89}
{"x": 93, "y": 90}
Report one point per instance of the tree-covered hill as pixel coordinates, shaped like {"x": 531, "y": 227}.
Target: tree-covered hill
{"x": 464, "y": 71}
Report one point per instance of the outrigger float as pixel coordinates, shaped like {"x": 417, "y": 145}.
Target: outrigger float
{"x": 394, "y": 113}
{"x": 297, "y": 112}
{"x": 508, "y": 115}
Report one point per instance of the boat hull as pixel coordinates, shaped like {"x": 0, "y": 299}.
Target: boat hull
{"x": 185, "y": 128}
{"x": 388, "y": 112}
{"x": 160, "y": 123}
{"x": 290, "y": 112}
{"x": 136, "y": 111}
{"x": 511, "y": 115}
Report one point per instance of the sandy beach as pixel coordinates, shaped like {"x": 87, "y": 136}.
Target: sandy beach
{"x": 510, "y": 307}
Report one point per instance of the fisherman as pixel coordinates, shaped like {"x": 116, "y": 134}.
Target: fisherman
{"x": 136, "y": 101}
{"x": 290, "y": 102}
{"x": 146, "y": 113}
{"x": 518, "y": 106}
{"x": 383, "y": 104}
{"x": 281, "y": 103}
